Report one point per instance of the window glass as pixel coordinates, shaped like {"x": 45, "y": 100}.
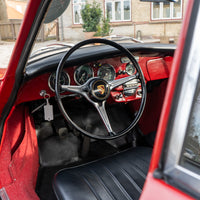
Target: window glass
{"x": 109, "y": 10}
{"x": 127, "y": 10}
{"x": 64, "y": 31}
{"x": 167, "y": 10}
{"x": 117, "y": 10}
{"x": 156, "y": 10}
{"x": 77, "y": 6}
{"x": 76, "y": 15}
{"x": 177, "y": 10}
{"x": 190, "y": 158}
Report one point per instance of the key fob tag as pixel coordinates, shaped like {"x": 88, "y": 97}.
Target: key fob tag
{"x": 48, "y": 112}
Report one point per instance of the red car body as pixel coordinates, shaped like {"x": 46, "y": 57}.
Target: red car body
{"x": 18, "y": 169}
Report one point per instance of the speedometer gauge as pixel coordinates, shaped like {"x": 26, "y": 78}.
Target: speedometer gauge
{"x": 64, "y": 80}
{"x": 130, "y": 69}
{"x": 106, "y": 72}
{"x": 82, "y": 74}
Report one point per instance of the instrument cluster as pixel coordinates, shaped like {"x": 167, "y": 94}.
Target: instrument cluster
{"x": 106, "y": 70}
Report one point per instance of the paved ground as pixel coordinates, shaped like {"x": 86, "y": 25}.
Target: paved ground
{"x": 7, "y": 47}
{"x": 5, "y": 53}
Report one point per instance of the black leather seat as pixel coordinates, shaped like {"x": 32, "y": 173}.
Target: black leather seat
{"x": 120, "y": 177}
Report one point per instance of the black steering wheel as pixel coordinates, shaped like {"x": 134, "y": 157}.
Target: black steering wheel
{"x": 97, "y": 90}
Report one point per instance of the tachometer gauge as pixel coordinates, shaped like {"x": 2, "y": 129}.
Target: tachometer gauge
{"x": 130, "y": 69}
{"x": 82, "y": 74}
{"x": 64, "y": 80}
{"x": 106, "y": 72}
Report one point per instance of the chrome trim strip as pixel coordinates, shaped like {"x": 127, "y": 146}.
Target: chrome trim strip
{"x": 180, "y": 175}
{"x": 3, "y": 194}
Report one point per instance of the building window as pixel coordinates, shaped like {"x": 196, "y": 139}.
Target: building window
{"x": 118, "y": 10}
{"x": 77, "y": 6}
{"x": 167, "y": 10}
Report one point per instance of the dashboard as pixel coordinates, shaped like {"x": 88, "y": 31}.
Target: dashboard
{"x": 97, "y": 62}
{"x": 107, "y": 69}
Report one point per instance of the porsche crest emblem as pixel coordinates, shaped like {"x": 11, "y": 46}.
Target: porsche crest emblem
{"x": 101, "y": 89}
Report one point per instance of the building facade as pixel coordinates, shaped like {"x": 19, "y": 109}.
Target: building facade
{"x": 141, "y": 20}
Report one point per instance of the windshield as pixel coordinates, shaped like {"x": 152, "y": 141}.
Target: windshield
{"x": 118, "y": 20}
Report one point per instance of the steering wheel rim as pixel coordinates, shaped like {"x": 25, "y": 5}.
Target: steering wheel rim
{"x": 80, "y": 90}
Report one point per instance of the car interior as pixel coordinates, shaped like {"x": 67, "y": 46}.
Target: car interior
{"x": 95, "y": 110}
{"x": 81, "y": 121}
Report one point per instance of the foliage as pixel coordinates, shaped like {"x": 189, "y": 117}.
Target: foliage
{"x": 91, "y": 16}
{"x": 104, "y": 29}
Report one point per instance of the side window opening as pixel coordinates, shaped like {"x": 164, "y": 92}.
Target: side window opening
{"x": 190, "y": 157}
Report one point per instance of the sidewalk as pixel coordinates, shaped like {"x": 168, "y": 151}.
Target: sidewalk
{"x": 6, "y": 49}
{"x": 5, "y": 53}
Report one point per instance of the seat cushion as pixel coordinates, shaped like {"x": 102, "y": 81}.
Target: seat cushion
{"x": 120, "y": 177}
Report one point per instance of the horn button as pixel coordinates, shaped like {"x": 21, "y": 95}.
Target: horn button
{"x": 99, "y": 90}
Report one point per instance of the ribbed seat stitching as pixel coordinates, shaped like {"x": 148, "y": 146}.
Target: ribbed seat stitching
{"x": 139, "y": 167}
{"x": 129, "y": 177}
{"x": 140, "y": 156}
{"x": 136, "y": 168}
{"x": 103, "y": 184}
{"x": 118, "y": 183}
{"x": 90, "y": 187}
{"x": 144, "y": 163}
{"x": 141, "y": 173}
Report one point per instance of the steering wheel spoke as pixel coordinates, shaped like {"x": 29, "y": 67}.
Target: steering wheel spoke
{"x": 103, "y": 114}
{"x": 118, "y": 82}
{"x": 73, "y": 88}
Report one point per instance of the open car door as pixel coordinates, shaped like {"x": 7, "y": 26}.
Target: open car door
{"x": 175, "y": 165}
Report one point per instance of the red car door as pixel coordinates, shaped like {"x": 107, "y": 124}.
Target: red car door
{"x": 174, "y": 169}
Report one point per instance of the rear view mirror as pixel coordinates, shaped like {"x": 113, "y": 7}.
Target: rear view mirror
{"x": 56, "y": 9}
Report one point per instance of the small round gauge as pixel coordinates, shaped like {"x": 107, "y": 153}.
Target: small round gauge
{"x": 130, "y": 69}
{"x": 125, "y": 60}
{"x": 106, "y": 72}
{"x": 64, "y": 80}
{"x": 82, "y": 74}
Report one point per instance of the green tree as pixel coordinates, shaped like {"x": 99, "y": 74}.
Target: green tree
{"x": 104, "y": 29}
{"x": 91, "y": 16}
